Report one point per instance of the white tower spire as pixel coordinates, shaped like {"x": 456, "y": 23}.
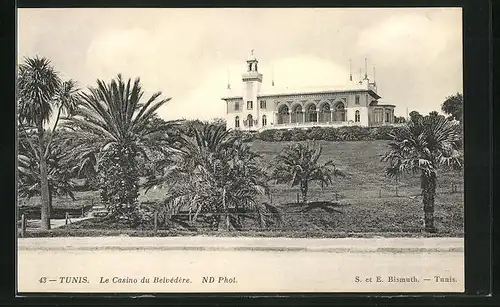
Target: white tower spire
{"x": 350, "y": 70}
{"x": 272, "y": 75}
{"x": 366, "y": 69}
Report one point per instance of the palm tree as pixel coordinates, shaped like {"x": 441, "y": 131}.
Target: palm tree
{"x": 420, "y": 147}
{"x": 40, "y": 90}
{"x": 219, "y": 176}
{"x": 112, "y": 127}
{"x": 58, "y": 169}
{"x": 298, "y": 164}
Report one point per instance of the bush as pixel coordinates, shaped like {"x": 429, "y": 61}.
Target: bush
{"x": 316, "y": 133}
{"x": 245, "y": 136}
{"x": 354, "y": 133}
{"x": 381, "y": 133}
{"x": 347, "y": 133}
{"x": 298, "y": 135}
{"x": 267, "y": 135}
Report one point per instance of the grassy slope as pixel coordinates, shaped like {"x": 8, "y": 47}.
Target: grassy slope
{"x": 362, "y": 209}
{"x": 368, "y": 201}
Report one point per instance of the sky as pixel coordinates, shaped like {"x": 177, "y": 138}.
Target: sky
{"x": 190, "y": 55}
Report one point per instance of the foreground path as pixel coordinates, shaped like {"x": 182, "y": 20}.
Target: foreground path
{"x": 205, "y": 264}
{"x": 245, "y": 243}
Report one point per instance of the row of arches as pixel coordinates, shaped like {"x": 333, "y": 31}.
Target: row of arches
{"x": 325, "y": 113}
{"x": 298, "y": 114}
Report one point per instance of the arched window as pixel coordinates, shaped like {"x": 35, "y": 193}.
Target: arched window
{"x": 357, "y": 118}
{"x": 297, "y": 114}
{"x": 325, "y": 114}
{"x": 237, "y": 122}
{"x": 339, "y": 113}
{"x": 312, "y": 115}
{"x": 264, "y": 120}
{"x": 250, "y": 120}
{"x": 283, "y": 116}
{"x": 379, "y": 115}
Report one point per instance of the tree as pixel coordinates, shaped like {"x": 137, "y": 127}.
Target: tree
{"x": 58, "y": 168}
{"x": 453, "y": 106}
{"x": 399, "y": 120}
{"x": 113, "y": 127}
{"x": 298, "y": 164}
{"x": 434, "y": 113}
{"x": 422, "y": 147}
{"x": 220, "y": 177}
{"x": 40, "y": 90}
{"x": 218, "y": 121}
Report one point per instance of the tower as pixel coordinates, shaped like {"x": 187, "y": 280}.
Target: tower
{"x": 252, "y": 81}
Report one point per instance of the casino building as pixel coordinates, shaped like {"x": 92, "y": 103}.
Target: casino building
{"x": 258, "y": 108}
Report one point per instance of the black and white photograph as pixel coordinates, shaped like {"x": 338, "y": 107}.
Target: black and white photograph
{"x": 202, "y": 150}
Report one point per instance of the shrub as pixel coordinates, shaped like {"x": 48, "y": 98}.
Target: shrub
{"x": 316, "y": 133}
{"x": 347, "y": 133}
{"x": 245, "y": 136}
{"x": 354, "y": 133}
{"x": 267, "y": 135}
{"x": 287, "y": 135}
{"x": 330, "y": 134}
{"x": 278, "y": 135}
{"x": 299, "y": 135}
{"x": 381, "y": 133}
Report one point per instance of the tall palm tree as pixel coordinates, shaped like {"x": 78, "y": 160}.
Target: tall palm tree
{"x": 40, "y": 90}
{"x": 298, "y": 164}
{"x": 421, "y": 147}
{"x": 113, "y": 126}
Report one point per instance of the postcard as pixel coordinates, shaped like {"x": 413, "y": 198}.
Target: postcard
{"x": 270, "y": 150}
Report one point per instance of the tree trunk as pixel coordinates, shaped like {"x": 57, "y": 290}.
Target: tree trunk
{"x": 226, "y": 211}
{"x": 50, "y": 199}
{"x": 44, "y": 181}
{"x": 428, "y": 184}
{"x": 303, "y": 190}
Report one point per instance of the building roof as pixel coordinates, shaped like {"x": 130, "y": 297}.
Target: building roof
{"x": 280, "y": 91}
{"x": 384, "y": 105}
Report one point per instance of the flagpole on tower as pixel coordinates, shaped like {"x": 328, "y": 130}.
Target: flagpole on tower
{"x": 366, "y": 70}
{"x": 350, "y": 70}
{"x": 272, "y": 75}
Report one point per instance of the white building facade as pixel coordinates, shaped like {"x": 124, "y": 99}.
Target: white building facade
{"x": 257, "y": 109}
